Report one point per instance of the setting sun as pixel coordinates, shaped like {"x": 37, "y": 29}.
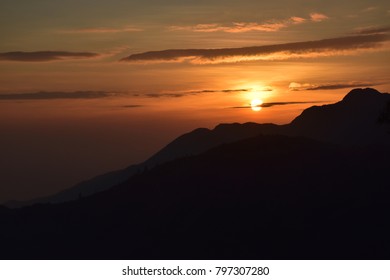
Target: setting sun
{"x": 256, "y": 105}
{"x": 158, "y": 130}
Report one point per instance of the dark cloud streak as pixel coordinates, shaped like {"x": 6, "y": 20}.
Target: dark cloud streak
{"x": 374, "y": 30}
{"x": 194, "y": 92}
{"x": 159, "y": 95}
{"x": 300, "y": 49}
{"x": 222, "y": 90}
{"x": 43, "y": 95}
{"x": 272, "y": 104}
{"x": 42, "y": 56}
{"x": 47, "y": 95}
{"x": 132, "y": 106}
{"x": 341, "y": 86}
{"x": 305, "y": 87}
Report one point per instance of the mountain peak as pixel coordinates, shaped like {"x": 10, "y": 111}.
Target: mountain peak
{"x": 353, "y": 121}
{"x": 361, "y": 93}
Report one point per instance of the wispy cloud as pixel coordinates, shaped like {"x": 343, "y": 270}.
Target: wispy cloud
{"x": 100, "y": 30}
{"x": 208, "y": 27}
{"x": 191, "y": 92}
{"x": 46, "y": 95}
{"x": 297, "y": 20}
{"x": 272, "y": 104}
{"x": 159, "y": 95}
{"x": 363, "y": 12}
{"x": 373, "y": 30}
{"x": 370, "y": 9}
{"x": 45, "y": 56}
{"x": 221, "y": 90}
{"x": 329, "y": 86}
{"x": 239, "y": 27}
{"x": 326, "y": 47}
{"x": 317, "y": 17}
{"x": 132, "y": 106}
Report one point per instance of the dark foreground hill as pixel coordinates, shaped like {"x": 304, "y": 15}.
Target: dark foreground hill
{"x": 267, "y": 197}
{"x": 361, "y": 119}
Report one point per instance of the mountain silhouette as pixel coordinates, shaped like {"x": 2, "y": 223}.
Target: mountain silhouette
{"x": 267, "y": 197}
{"x": 193, "y": 143}
{"x": 360, "y": 119}
{"x": 234, "y": 195}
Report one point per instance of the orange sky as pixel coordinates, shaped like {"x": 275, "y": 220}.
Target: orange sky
{"x": 95, "y": 86}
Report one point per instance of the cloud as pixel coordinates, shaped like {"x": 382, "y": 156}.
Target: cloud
{"x": 209, "y": 27}
{"x": 297, "y": 20}
{"x": 326, "y": 47}
{"x": 369, "y": 9}
{"x": 300, "y": 87}
{"x": 238, "y": 27}
{"x": 373, "y": 30}
{"x": 363, "y": 12}
{"x": 101, "y": 30}
{"x": 192, "y": 92}
{"x": 317, "y": 17}
{"x": 132, "y": 106}
{"x": 45, "y": 56}
{"x": 222, "y": 90}
{"x": 253, "y": 26}
{"x": 43, "y": 95}
{"x": 158, "y": 95}
{"x": 272, "y": 104}
{"x": 47, "y": 95}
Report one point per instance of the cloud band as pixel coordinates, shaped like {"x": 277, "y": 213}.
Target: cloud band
{"x": 45, "y": 56}
{"x": 325, "y": 47}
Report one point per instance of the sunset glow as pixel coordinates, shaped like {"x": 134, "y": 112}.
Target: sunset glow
{"x": 117, "y": 80}
{"x": 256, "y": 105}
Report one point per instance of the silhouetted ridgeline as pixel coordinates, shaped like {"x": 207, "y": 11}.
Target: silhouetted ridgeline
{"x": 359, "y": 119}
{"x": 263, "y": 197}
{"x": 362, "y": 118}
{"x": 193, "y": 143}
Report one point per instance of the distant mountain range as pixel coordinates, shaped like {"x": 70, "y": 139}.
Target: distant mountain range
{"x": 317, "y": 188}
{"x": 361, "y": 118}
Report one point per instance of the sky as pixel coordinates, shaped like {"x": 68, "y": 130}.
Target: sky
{"x": 92, "y": 86}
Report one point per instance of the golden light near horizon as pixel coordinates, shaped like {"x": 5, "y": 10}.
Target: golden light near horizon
{"x": 256, "y": 94}
{"x": 258, "y": 90}
{"x": 256, "y": 105}
{"x": 148, "y": 75}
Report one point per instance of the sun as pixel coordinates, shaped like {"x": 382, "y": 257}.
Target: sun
{"x": 256, "y": 105}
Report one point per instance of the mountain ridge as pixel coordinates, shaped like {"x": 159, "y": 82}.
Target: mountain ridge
{"x": 305, "y": 198}
{"x": 360, "y": 118}
{"x": 266, "y": 196}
